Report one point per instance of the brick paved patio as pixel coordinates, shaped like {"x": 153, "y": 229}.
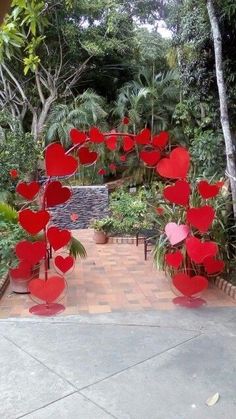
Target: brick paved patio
{"x": 114, "y": 277}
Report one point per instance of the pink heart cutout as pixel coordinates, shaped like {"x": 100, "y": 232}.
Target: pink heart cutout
{"x": 176, "y": 233}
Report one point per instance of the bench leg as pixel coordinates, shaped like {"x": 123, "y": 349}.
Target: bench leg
{"x": 145, "y": 249}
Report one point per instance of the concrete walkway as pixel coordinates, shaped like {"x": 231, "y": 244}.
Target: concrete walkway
{"x": 146, "y": 365}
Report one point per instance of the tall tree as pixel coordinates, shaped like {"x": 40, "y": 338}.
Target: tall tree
{"x": 225, "y": 123}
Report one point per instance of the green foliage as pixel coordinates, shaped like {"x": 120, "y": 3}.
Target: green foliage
{"x": 151, "y": 99}
{"x": 77, "y": 249}
{"x": 208, "y": 154}
{"x": 10, "y": 234}
{"x": 17, "y": 151}
{"x": 129, "y": 212}
{"x": 87, "y": 109}
{"x": 105, "y": 224}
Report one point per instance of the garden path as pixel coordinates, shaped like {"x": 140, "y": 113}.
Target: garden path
{"x": 114, "y": 277}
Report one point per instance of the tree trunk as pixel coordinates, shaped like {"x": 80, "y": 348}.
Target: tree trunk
{"x": 224, "y": 115}
{"x": 39, "y": 120}
{"x": 4, "y": 8}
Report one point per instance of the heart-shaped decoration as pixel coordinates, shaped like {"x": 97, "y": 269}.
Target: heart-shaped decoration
{"x": 22, "y": 272}
{"x": 56, "y": 194}
{"x": 33, "y": 222}
{"x": 58, "y": 238}
{"x": 102, "y": 172}
{"x": 201, "y": 217}
{"x": 31, "y": 252}
{"x": 96, "y": 136}
{"x": 198, "y": 250}
{"x": 28, "y": 190}
{"x": 77, "y": 137}
{"x": 176, "y": 166}
{"x": 174, "y": 259}
{"x": 189, "y": 286}
{"x": 111, "y": 142}
{"x": 176, "y": 233}
{"x": 213, "y": 266}
{"x": 86, "y": 156}
{"x": 150, "y": 158}
{"x": 128, "y": 143}
{"x": 58, "y": 163}
{"x": 144, "y": 137}
{"x": 49, "y": 290}
{"x": 64, "y": 264}
{"x": 178, "y": 193}
{"x": 160, "y": 140}
{"x": 207, "y": 190}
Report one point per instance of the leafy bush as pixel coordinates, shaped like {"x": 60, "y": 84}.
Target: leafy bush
{"x": 129, "y": 212}
{"x": 207, "y": 151}
{"x": 17, "y": 151}
{"x": 105, "y": 224}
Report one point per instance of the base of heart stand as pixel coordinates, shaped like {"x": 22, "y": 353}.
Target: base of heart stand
{"x": 189, "y": 302}
{"x": 47, "y": 309}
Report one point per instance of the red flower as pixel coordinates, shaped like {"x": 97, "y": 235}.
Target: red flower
{"x": 160, "y": 210}
{"x": 101, "y": 172}
{"x": 125, "y": 121}
{"x": 123, "y": 158}
{"x": 74, "y": 216}
{"x": 112, "y": 167}
{"x": 14, "y": 173}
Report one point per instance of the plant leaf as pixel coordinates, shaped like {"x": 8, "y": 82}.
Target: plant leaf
{"x": 211, "y": 401}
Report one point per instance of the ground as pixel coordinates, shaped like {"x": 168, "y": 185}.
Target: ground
{"x": 114, "y": 277}
{"x": 142, "y": 357}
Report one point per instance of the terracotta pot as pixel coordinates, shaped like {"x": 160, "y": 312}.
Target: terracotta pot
{"x": 100, "y": 237}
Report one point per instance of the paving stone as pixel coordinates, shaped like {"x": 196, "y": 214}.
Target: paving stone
{"x": 74, "y": 406}
{"x": 84, "y": 354}
{"x": 176, "y": 384}
{"x": 26, "y": 384}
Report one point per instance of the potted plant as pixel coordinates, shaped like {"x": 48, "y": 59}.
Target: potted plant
{"x": 101, "y": 229}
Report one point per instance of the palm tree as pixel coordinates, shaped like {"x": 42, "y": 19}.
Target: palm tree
{"x": 87, "y": 109}
{"x": 150, "y": 97}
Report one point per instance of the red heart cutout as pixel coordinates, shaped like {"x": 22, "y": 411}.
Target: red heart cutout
{"x": 208, "y": 191}
{"x": 31, "y": 252}
{"x": 160, "y": 140}
{"x": 28, "y": 190}
{"x": 178, "y": 193}
{"x": 77, "y": 137}
{"x": 198, "y": 250}
{"x": 95, "y": 135}
{"x": 176, "y": 233}
{"x": 21, "y": 272}
{"x": 56, "y": 194}
{"x": 143, "y": 137}
{"x": 64, "y": 264}
{"x": 86, "y": 156}
{"x": 174, "y": 259}
{"x": 201, "y": 217}
{"x": 33, "y": 222}
{"x": 58, "y": 163}
{"x": 128, "y": 143}
{"x": 111, "y": 143}
{"x": 58, "y": 238}
{"x": 213, "y": 266}
{"x": 189, "y": 286}
{"x": 176, "y": 166}
{"x": 150, "y": 157}
{"x": 49, "y": 290}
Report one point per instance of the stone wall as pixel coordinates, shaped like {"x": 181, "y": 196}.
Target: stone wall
{"x": 87, "y": 202}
